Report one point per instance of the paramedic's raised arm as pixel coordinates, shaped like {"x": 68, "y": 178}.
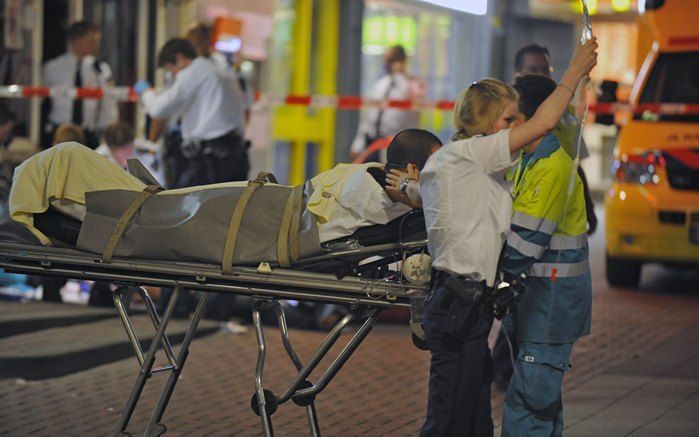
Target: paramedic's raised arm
{"x": 550, "y": 112}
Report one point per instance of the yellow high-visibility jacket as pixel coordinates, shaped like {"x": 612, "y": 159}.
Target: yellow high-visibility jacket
{"x": 548, "y": 243}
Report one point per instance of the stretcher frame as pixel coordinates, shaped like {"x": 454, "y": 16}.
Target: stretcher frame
{"x": 364, "y": 295}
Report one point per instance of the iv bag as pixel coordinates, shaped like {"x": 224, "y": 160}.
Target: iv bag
{"x": 585, "y": 25}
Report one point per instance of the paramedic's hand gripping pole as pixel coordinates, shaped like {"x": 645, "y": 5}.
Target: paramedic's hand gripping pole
{"x": 585, "y": 35}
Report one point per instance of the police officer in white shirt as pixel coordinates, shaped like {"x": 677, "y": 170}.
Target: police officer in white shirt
{"x": 395, "y": 85}
{"x": 79, "y": 67}
{"x": 467, "y": 210}
{"x": 211, "y": 110}
{"x": 200, "y": 35}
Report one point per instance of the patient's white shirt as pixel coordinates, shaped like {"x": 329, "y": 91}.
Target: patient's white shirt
{"x": 467, "y": 205}
{"x": 362, "y": 202}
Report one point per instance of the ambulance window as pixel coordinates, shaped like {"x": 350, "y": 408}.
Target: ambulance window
{"x": 674, "y": 79}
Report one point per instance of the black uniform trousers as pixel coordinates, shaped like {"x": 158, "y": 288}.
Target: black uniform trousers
{"x": 460, "y": 370}
{"x": 222, "y": 159}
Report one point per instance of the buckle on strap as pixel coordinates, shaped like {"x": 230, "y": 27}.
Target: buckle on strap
{"x": 237, "y": 218}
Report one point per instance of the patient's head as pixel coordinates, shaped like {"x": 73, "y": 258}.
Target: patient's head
{"x": 411, "y": 147}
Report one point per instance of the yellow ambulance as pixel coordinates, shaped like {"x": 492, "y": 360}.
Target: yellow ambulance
{"x": 652, "y": 207}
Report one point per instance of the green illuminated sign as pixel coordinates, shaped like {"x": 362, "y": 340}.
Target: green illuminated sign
{"x": 389, "y": 30}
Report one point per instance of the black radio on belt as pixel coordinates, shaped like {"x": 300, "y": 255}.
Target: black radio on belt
{"x": 469, "y": 291}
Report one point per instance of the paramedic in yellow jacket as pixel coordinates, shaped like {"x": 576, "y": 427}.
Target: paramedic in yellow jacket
{"x": 548, "y": 243}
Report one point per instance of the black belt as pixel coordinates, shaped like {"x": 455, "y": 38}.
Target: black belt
{"x": 469, "y": 290}
{"x": 439, "y": 277}
{"x": 196, "y": 147}
{"x": 203, "y": 143}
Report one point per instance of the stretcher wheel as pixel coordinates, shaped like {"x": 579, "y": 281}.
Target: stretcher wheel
{"x": 420, "y": 343}
{"x": 304, "y": 401}
{"x": 418, "y": 336}
{"x": 271, "y": 403}
{"x": 160, "y": 429}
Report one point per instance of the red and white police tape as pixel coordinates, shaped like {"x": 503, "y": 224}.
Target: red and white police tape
{"x": 127, "y": 94}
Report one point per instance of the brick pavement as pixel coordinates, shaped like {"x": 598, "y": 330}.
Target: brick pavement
{"x": 380, "y": 391}
{"x": 78, "y": 346}
{"x": 18, "y": 318}
{"x": 642, "y": 355}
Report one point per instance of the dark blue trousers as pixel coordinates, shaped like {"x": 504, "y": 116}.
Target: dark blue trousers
{"x": 461, "y": 369}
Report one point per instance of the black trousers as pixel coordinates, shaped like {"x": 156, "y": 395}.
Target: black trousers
{"x": 460, "y": 370}
{"x": 223, "y": 159}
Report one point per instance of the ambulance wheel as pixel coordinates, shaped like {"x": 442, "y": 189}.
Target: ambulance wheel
{"x": 623, "y": 272}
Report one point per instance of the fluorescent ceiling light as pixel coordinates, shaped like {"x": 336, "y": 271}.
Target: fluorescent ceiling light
{"x": 477, "y": 7}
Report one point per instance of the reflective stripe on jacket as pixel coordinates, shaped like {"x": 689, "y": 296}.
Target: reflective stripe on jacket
{"x": 550, "y": 247}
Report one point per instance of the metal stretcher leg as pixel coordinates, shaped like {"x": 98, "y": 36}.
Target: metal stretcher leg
{"x": 302, "y": 396}
{"x": 155, "y": 428}
{"x": 300, "y": 390}
{"x": 286, "y": 341}
{"x": 145, "y": 362}
{"x": 122, "y": 297}
{"x": 265, "y": 410}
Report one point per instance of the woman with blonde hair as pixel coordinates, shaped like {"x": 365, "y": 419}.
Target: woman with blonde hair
{"x": 467, "y": 208}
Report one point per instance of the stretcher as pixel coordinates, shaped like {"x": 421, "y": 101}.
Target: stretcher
{"x": 354, "y": 273}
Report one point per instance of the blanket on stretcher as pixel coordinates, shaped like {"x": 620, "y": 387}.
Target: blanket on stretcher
{"x": 198, "y": 224}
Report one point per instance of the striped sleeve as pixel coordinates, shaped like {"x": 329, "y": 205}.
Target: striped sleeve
{"x": 537, "y": 213}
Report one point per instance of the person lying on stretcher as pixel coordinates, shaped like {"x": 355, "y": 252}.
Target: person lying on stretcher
{"x": 352, "y": 196}
{"x": 343, "y": 199}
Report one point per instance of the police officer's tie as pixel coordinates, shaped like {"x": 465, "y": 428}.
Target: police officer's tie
{"x": 78, "y": 103}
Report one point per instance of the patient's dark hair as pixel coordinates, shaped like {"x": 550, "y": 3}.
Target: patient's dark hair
{"x": 168, "y": 54}
{"x": 533, "y": 89}
{"x": 411, "y": 146}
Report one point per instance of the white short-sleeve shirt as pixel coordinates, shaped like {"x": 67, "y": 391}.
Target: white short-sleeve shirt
{"x": 209, "y": 102}
{"x": 60, "y": 72}
{"x": 467, "y": 205}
